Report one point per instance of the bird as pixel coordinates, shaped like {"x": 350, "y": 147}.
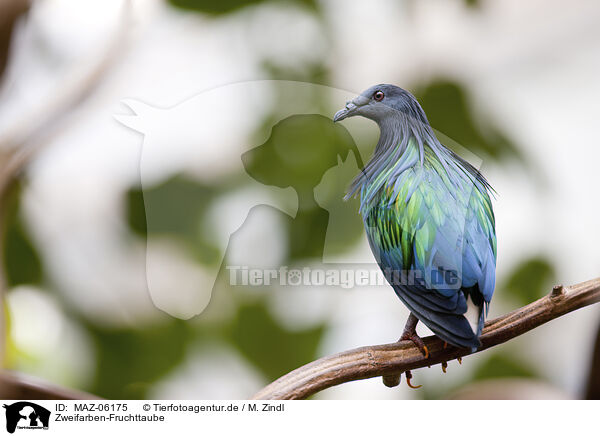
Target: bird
{"x": 428, "y": 218}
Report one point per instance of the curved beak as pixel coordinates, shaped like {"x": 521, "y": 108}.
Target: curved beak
{"x": 348, "y": 111}
{"x": 351, "y": 108}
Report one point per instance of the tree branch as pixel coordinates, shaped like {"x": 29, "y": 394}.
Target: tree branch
{"x": 390, "y": 359}
{"x": 16, "y": 386}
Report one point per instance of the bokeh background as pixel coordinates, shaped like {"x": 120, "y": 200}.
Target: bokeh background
{"x": 514, "y": 83}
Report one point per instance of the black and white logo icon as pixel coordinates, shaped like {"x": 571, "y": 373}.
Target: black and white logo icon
{"x": 26, "y": 415}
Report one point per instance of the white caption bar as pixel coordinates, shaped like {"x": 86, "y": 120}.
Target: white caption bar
{"x": 151, "y": 417}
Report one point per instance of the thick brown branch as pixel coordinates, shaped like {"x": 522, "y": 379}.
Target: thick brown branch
{"x": 382, "y": 360}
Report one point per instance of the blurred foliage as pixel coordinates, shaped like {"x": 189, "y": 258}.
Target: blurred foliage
{"x": 316, "y": 73}
{"x": 449, "y": 111}
{"x": 178, "y": 209}
{"x": 530, "y": 280}
{"x": 299, "y": 151}
{"x": 213, "y": 6}
{"x": 130, "y": 360}
{"x": 218, "y": 7}
{"x": 22, "y": 263}
{"x": 501, "y": 365}
{"x": 492, "y": 365}
{"x": 272, "y": 348}
{"x": 9, "y": 357}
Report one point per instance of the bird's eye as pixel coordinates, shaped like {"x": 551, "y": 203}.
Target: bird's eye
{"x": 378, "y": 96}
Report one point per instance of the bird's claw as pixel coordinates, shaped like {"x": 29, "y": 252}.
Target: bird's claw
{"x": 415, "y": 339}
{"x": 459, "y": 359}
{"x": 444, "y": 366}
{"x": 408, "y": 375}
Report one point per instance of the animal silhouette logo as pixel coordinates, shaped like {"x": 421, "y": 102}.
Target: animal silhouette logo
{"x": 26, "y": 415}
{"x": 207, "y": 138}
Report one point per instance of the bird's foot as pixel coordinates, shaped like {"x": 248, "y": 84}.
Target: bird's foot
{"x": 459, "y": 359}
{"x": 444, "y": 366}
{"x": 408, "y": 375}
{"x": 415, "y": 339}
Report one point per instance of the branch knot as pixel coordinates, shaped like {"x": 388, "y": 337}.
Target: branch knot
{"x": 557, "y": 291}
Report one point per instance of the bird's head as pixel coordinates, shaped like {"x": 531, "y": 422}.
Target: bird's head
{"x": 383, "y": 102}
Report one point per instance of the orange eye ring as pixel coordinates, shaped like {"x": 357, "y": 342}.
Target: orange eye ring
{"x": 378, "y": 96}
